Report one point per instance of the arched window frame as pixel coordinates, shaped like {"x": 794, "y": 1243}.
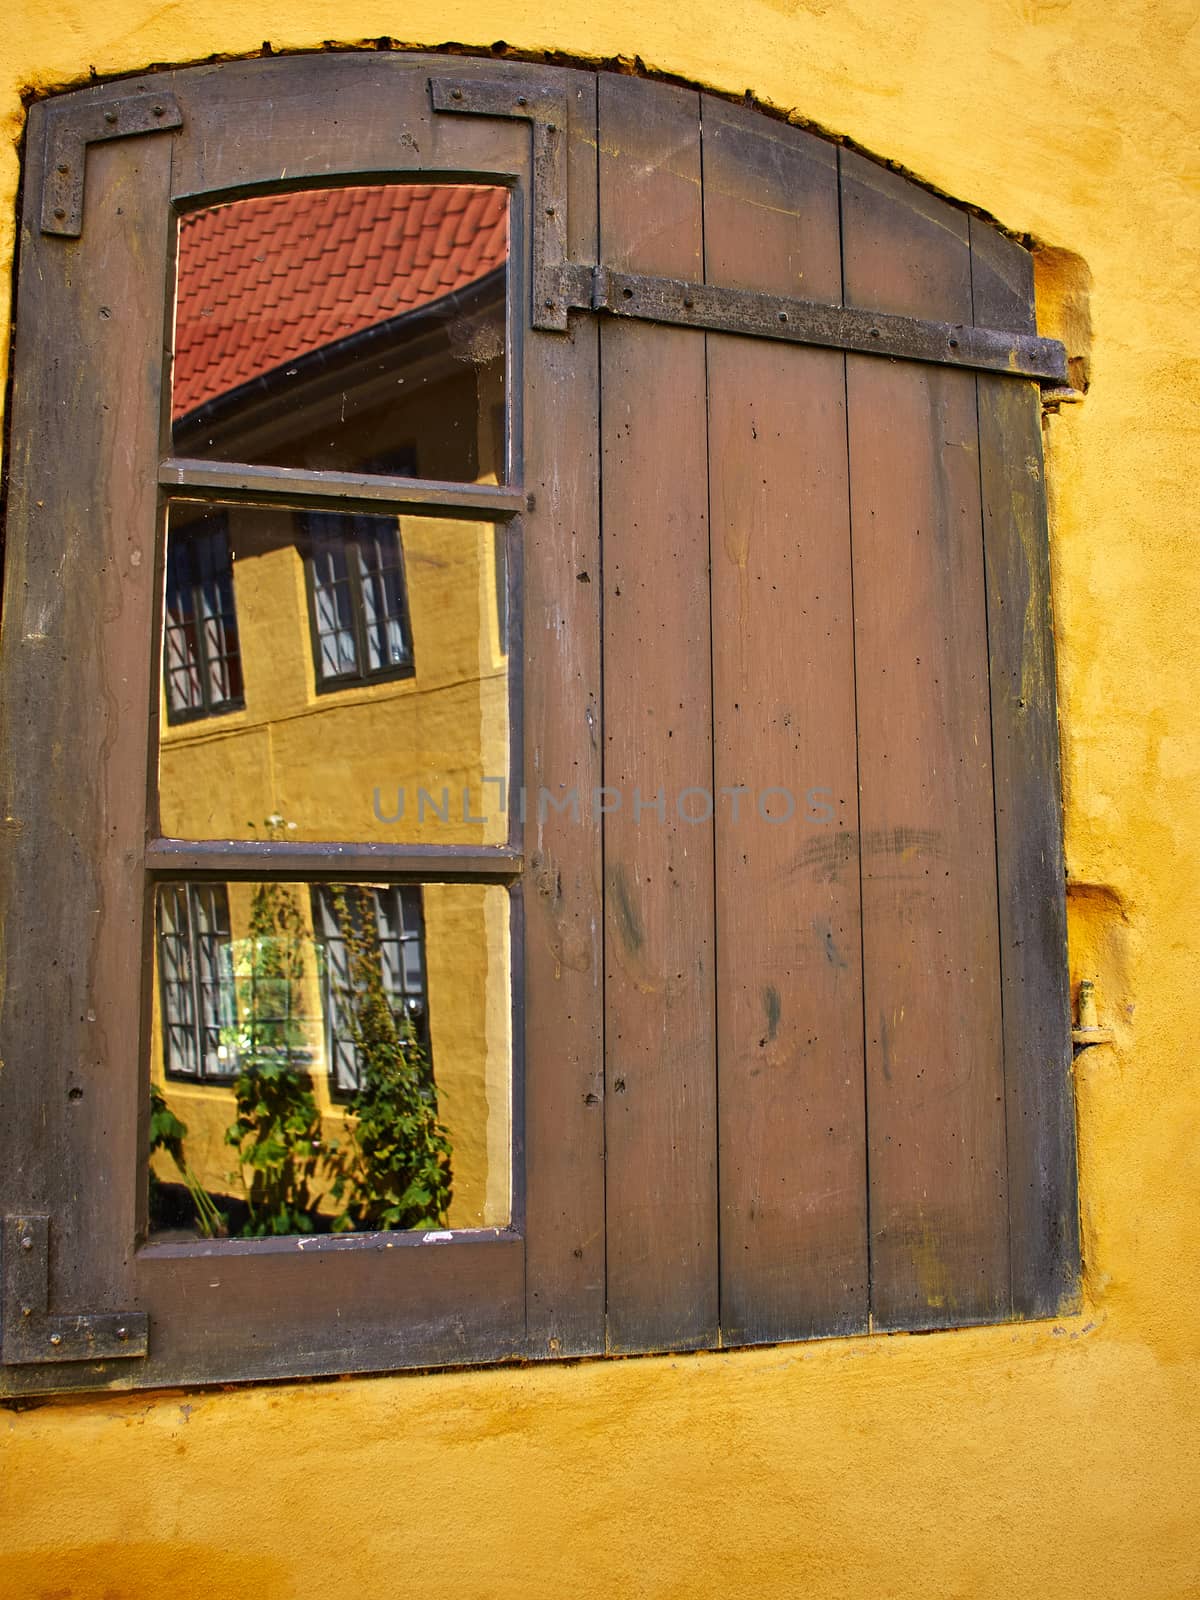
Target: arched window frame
{"x": 599, "y": 302}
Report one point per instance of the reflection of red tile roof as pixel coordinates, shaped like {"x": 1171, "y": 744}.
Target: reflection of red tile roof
{"x": 263, "y": 281}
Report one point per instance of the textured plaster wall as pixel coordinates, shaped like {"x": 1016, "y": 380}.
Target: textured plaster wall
{"x": 1008, "y": 1461}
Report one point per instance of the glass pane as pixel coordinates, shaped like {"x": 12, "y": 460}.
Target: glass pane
{"x": 351, "y": 679}
{"x": 330, "y": 1058}
{"x": 348, "y": 330}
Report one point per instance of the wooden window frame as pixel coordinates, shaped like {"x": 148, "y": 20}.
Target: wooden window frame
{"x": 571, "y": 1274}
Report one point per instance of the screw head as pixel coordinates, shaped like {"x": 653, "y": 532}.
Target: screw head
{"x": 783, "y": 316}
{"x": 56, "y": 1339}
{"x": 552, "y": 127}
{"x": 549, "y": 211}
{"x": 456, "y": 94}
{"x": 27, "y": 1239}
{"x": 63, "y": 167}
{"x": 110, "y": 116}
{"x": 60, "y": 212}
{"x": 158, "y": 110}
{"x": 549, "y": 305}
{"x": 122, "y": 1333}
{"x": 522, "y": 100}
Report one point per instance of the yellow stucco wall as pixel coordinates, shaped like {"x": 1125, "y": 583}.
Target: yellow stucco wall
{"x": 1020, "y": 1460}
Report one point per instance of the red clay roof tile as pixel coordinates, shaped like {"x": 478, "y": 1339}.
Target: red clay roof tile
{"x": 265, "y": 280}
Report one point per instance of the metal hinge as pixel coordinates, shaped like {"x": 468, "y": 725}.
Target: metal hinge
{"x": 71, "y": 127}
{"x": 876, "y": 333}
{"x": 29, "y": 1333}
{"x": 558, "y": 285}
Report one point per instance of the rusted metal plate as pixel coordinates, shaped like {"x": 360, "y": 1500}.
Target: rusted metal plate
{"x": 72, "y": 125}
{"x": 29, "y": 1334}
{"x": 782, "y": 317}
{"x": 556, "y": 283}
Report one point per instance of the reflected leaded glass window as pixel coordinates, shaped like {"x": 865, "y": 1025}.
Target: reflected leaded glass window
{"x": 385, "y": 928}
{"x": 357, "y": 595}
{"x": 202, "y": 664}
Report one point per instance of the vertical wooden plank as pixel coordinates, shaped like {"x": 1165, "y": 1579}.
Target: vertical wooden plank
{"x": 660, "y": 1077}
{"x": 563, "y": 957}
{"x": 935, "y": 1088}
{"x": 789, "y": 1016}
{"x": 1043, "y": 1207}
{"x": 78, "y": 608}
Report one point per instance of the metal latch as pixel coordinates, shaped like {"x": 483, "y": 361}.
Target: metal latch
{"x": 29, "y": 1333}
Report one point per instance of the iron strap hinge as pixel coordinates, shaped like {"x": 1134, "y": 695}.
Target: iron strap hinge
{"x": 561, "y": 286}
{"x": 29, "y": 1333}
{"x": 877, "y": 333}
{"x": 557, "y": 284}
{"x": 71, "y": 127}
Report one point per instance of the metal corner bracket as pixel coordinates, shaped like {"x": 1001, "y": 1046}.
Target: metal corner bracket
{"x": 558, "y": 285}
{"x": 29, "y": 1334}
{"x": 71, "y": 127}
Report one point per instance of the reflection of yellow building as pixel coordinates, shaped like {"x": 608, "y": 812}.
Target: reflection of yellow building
{"x": 333, "y": 765}
{"x": 353, "y": 330}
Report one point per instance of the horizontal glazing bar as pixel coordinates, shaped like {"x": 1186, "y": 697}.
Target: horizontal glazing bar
{"x": 239, "y": 481}
{"x": 252, "y": 858}
{"x": 763, "y": 316}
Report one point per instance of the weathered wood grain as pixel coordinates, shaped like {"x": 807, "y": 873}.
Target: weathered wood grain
{"x": 935, "y": 1086}
{"x": 789, "y": 985}
{"x": 660, "y": 1067}
{"x": 564, "y": 1060}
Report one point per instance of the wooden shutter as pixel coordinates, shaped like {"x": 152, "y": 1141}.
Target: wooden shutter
{"x": 836, "y": 1051}
{"x": 778, "y": 534}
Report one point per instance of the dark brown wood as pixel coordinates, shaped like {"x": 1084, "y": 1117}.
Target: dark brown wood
{"x": 935, "y": 1087}
{"x": 75, "y": 680}
{"x": 29, "y": 1334}
{"x": 257, "y": 1309}
{"x": 564, "y": 1061}
{"x": 660, "y": 1074}
{"x": 1042, "y": 1198}
{"x": 1043, "y": 1204}
{"x": 71, "y": 125}
{"x": 791, "y": 320}
{"x": 789, "y": 984}
{"x": 632, "y": 655}
{"x": 1001, "y": 280}
{"x": 245, "y": 484}
{"x": 78, "y": 623}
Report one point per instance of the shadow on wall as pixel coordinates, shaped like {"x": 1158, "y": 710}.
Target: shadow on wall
{"x": 1063, "y": 290}
{"x": 110, "y": 1571}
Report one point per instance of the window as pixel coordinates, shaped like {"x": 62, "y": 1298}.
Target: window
{"x": 196, "y": 977}
{"x": 359, "y": 611}
{"x": 387, "y": 926}
{"x": 659, "y": 944}
{"x": 202, "y": 667}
